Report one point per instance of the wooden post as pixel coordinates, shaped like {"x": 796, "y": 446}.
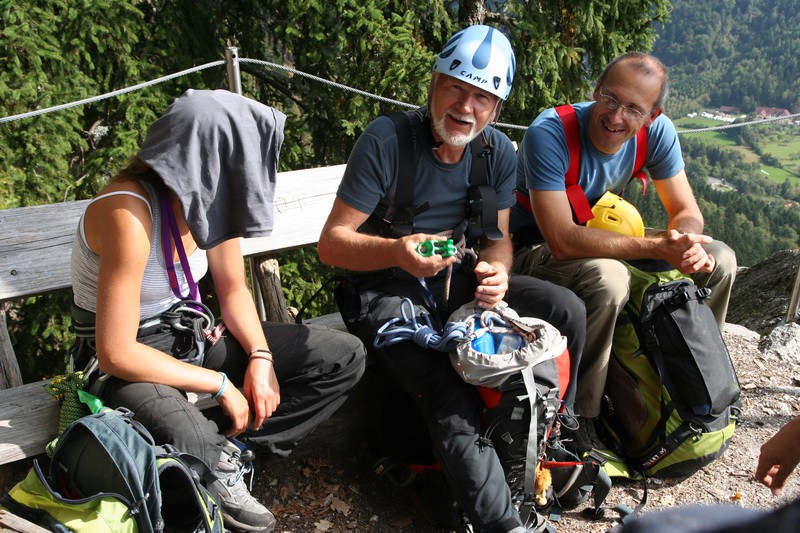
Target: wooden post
{"x": 269, "y": 281}
{"x": 10, "y": 375}
{"x": 791, "y": 311}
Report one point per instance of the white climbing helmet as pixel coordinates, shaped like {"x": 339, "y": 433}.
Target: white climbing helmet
{"x": 481, "y": 56}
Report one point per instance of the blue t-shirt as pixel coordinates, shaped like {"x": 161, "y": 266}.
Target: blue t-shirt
{"x": 543, "y": 159}
{"x": 372, "y": 169}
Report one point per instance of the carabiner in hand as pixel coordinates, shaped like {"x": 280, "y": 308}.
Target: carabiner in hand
{"x": 443, "y": 248}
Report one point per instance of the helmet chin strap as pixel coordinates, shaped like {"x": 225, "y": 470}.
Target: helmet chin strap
{"x": 487, "y": 142}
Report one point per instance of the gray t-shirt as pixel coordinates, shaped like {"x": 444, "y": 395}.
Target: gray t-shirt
{"x": 373, "y": 165}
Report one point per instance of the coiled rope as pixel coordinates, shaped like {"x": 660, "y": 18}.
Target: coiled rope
{"x": 419, "y": 330}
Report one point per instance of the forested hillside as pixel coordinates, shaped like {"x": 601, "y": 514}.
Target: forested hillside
{"x": 741, "y": 53}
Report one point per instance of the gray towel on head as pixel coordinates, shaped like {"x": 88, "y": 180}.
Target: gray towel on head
{"x": 218, "y": 152}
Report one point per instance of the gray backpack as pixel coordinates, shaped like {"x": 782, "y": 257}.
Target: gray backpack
{"x": 106, "y": 474}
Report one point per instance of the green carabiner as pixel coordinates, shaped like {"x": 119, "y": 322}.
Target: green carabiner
{"x": 445, "y": 248}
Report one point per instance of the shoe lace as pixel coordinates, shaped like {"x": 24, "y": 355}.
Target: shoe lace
{"x": 244, "y": 466}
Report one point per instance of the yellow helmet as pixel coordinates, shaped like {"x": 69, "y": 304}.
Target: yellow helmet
{"x": 613, "y": 213}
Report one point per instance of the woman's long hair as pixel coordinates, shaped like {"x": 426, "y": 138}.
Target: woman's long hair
{"x": 138, "y": 170}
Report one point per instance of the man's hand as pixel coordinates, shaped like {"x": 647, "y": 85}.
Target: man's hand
{"x": 779, "y": 457}
{"x": 492, "y": 284}
{"x": 409, "y": 259}
{"x": 686, "y": 253}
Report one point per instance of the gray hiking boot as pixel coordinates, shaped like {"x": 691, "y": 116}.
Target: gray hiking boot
{"x": 240, "y": 511}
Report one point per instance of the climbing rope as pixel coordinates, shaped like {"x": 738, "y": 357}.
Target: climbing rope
{"x": 461, "y": 252}
{"x": 478, "y": 328}
{"x": 420, "y": 330}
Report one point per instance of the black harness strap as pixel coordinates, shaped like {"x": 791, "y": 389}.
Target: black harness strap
{"x": 481, "y": 209}
{"x": 482, "y": 198}
{"x": 402, "y": 222}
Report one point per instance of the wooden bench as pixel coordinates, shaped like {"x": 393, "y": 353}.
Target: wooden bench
{"x": 35, "y": 249}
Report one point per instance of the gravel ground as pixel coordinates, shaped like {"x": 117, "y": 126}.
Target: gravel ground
{"x": 327, "y": 483}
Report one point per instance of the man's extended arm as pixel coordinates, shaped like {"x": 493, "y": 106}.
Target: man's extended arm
{"x": 681, "y": 248}
{"x": 341, "y": 245}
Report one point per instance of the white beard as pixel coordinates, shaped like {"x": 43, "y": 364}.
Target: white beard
{"x": 449, "y": 138}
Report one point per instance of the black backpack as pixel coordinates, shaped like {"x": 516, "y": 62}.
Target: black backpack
{"x": 672, "y": 396}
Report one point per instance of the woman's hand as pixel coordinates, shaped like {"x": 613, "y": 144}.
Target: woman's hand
{"x": 261, "y": 389}
{"x": 235, "y": 407}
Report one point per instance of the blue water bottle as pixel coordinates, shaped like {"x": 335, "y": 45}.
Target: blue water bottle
{"x": 509, "y": 342}
{"x": 484, "y": 343}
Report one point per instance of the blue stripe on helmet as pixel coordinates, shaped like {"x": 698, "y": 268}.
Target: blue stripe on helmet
{"x": 484, "y": 52}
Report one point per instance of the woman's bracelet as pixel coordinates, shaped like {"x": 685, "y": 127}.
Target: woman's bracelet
{"x": 222, "y": 387}
{"x": 261, "y": 353}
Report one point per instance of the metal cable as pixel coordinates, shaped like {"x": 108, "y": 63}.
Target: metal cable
{"x": 111, "y": 94}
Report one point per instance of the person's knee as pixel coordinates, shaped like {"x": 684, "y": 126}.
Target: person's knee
{"x": 725, "y": 259}
{"x": 603, "y": 282}
{"x": 350, "y": 347}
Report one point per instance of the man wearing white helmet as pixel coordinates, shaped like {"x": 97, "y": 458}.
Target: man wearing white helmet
{"x": 373, "y": 233}
{"x": 621, "y": 129}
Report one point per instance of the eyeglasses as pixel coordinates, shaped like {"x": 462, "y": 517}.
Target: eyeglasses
{"x": 612, "y": 104}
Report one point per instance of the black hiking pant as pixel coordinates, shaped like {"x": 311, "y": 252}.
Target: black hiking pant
{"x": 452, "y": 407}
{"x": 316, "y": 368}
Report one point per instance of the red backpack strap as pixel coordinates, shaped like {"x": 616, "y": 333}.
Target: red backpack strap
{"x": 577, "y": 198}
{"x": 641, "y": 157}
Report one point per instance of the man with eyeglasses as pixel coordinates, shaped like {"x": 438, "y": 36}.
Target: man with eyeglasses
{"x": 551, "y": 245}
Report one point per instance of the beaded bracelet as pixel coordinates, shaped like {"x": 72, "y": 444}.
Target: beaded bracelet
{"x": 222, "y": 387}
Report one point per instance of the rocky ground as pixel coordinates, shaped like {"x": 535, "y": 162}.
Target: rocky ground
{"x": 330, "y": 488}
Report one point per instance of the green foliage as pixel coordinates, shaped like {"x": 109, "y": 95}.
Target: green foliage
{"x": 562, "y": 47}
{"x": 740, "y": 53}
{"x": 307, "y": 275}
{"x": 39, "y": 331}
{"x": 58, "y": 51}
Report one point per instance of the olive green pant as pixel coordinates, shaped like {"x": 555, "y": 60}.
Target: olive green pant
{"x": 604, "y": 287}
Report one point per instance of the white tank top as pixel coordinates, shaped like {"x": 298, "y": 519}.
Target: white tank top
{"x": 156, "y": 294}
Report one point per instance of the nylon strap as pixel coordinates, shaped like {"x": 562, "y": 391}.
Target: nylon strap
{"x": 641, "y": 156}
{"x": 480, "y": 191}
{"x": 402, "y": 222}
{"x": 532, "y": 450}
{"x": 577, "y": 198}
{"x": 170, "y": 232}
